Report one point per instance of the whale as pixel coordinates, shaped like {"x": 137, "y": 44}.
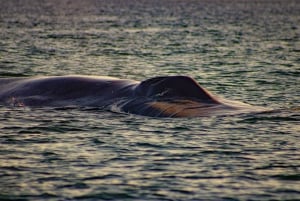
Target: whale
{"x": 164, "y": 96}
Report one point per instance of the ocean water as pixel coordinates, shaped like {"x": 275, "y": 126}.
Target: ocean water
{"x": 239, "y": 49}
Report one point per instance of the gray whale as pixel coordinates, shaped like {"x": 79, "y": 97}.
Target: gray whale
{"x": 168, "y": 96}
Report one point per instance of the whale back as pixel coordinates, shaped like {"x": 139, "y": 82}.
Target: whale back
{"x": 171, "y": 96}
{"x": 174, "y": 87}
{"x": 60, "y": 91}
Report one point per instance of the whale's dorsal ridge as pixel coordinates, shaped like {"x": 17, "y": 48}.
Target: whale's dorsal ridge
{"x": 169, "y": 96}
{"x": 174, "y": 86}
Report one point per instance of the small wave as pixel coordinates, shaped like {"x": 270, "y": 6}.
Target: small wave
{"x": 274, "y": 116}
{"x": 12, "y": 74}
{"x": 290, "y": 177}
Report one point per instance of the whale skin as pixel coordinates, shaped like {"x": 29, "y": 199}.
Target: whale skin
{"x": 165, "y": 96}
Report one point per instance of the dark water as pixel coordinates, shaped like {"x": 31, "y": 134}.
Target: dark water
{"x": 242, "y": 50}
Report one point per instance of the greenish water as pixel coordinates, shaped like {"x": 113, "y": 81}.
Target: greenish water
{"x": 241, "y": 50}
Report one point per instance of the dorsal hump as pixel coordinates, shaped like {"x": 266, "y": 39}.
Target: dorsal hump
{"x": 169, "y": 87}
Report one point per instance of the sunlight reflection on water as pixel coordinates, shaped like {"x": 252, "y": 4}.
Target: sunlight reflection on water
{"x": 246, "y": 51}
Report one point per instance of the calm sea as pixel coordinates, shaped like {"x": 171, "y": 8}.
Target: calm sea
{"x": 240, "y": 49}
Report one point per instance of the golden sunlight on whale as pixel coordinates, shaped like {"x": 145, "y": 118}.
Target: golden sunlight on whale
{"x": 168, "y": 96}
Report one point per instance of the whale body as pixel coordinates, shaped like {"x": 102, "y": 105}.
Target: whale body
{"x": 168, "y": 96}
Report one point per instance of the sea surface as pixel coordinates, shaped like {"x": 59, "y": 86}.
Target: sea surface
{"x": 245, "y": 50}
